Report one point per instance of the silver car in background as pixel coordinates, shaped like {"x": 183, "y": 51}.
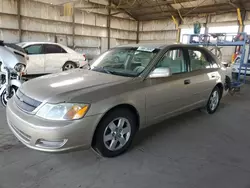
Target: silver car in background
{"x": 104, "y": 105}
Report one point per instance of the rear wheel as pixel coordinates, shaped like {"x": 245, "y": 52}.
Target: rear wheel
{"x": 213, "y": 101}
{"x": 68, "y": 66}
{"x": 115, "y": 133}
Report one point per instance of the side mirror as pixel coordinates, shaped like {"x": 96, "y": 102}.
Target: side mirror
{"x": 160, "y": 73}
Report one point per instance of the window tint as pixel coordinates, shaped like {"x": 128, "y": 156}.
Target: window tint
{"x": 53, "y": 49}
{"x": 34, "y": 49}
{"x": 174, "y": 60}
{"x": 198, "y": 60}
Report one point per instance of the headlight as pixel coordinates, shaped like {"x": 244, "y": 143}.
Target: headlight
{"x": 20, "y": 67}
{"x": 63, "y": 111}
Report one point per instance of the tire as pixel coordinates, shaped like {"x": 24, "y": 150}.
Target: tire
{"x": 235, "y": 75}
{"x": 213, "y": 101}
{"x": 4, "y": 98}
{"x": 69, "y": 66}
{"x": 115, "y": 144}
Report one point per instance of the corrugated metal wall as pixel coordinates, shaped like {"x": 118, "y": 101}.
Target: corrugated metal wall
{"x": 157, "y": 31}
{"x": 43, "y": 22}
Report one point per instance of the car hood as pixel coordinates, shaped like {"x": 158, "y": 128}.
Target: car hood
{"x": 59, "y": 87}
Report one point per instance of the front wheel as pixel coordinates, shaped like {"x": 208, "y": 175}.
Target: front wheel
{"x": 5, "y": 98}
{"x": 115, "y": 133}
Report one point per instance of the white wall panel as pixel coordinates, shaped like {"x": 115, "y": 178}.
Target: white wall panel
{"x": 37, "y": 37}
{"x": 41, "y": 10}
{"x": 90, "y": 31}
{"x": 87, "y": 41}
{"x": 119, "y": 34}
{"x": 101, "y": 20}
{"x": 224, "y": 17}
{"x": 157, "y": 25}
{"x": 9, "y": 35}
{"x": 119, "y": 23}
{"x": 46, "y": 26}
{"x": 8, "y": 21}
{"x": 164, "y": 35}
{"x": 192, "y": 20}
{"x": 8, "y": 6}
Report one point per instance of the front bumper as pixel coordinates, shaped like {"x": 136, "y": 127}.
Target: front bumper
{"x": 50, "y": 136}
{"x": 83, "y": 63}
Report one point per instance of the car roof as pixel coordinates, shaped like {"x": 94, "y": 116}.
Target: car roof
{"x": 148, "y": 45}
{"x": 30, "y": 43}
{"x": 156, "y": 45}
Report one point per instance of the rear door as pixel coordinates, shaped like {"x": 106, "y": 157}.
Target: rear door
{"x": 55, "y": 58}
{"x": 203, "y": 72}
{"x": 35, "y": 64}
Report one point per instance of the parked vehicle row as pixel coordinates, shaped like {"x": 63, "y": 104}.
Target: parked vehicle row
{"x": 104, "y": 105}
{"x": 12, "y": 65}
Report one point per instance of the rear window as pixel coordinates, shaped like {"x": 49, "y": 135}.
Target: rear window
{"x": 16, "y": 47}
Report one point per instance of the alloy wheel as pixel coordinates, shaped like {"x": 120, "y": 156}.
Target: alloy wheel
{"x": 117, "y": 134}
{"x": 214, "y": 100}
{"x": 69, "y": 66}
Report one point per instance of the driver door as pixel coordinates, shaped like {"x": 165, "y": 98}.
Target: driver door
{"x": 171, "y": 95}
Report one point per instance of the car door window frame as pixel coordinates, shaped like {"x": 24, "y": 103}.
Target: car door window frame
{"x": 206, "y": 54}
{"x": 42, "y": 49}
{"x": 62, "y": 50}
{"x": 164, "y": 52}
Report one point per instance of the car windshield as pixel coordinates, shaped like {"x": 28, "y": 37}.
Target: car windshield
{"x": 129, "y": 62}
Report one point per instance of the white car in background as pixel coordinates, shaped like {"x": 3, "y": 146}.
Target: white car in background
{"x": 48, "y": 57}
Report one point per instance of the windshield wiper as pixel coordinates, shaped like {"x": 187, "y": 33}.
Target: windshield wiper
{"x": 103, "y": 69}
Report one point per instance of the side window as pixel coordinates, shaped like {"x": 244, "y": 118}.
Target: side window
{"x": 173, "y": 59}
{"x": 34, "y": 49}
{"x": 53, "y": 49}
{"x": 198, "y": 60}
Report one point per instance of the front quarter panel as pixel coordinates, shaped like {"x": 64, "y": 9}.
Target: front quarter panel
{"x": 128, "y": 93}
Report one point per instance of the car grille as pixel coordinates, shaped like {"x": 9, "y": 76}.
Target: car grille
{"x": 26, "y": 103}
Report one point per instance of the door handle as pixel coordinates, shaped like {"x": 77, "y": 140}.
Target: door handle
{"x": 186, "y": 82}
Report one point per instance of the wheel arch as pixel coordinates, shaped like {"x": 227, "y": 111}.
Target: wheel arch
{"x": 119, "y": 106}
{"x": 221, "y": 88}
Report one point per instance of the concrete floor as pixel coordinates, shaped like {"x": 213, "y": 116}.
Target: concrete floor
{"x": 194, "y": 150}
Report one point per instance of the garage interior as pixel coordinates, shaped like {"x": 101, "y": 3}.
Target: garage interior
{"x": 191, "y": 150}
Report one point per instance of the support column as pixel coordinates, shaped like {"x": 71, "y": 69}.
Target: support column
{"x": 138, "y": 32}
{"x": 73, "y": 26}
{"x": 108, "y": 23}
{"x": 208, "y": 20}
{"x": 19, "y": 20}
